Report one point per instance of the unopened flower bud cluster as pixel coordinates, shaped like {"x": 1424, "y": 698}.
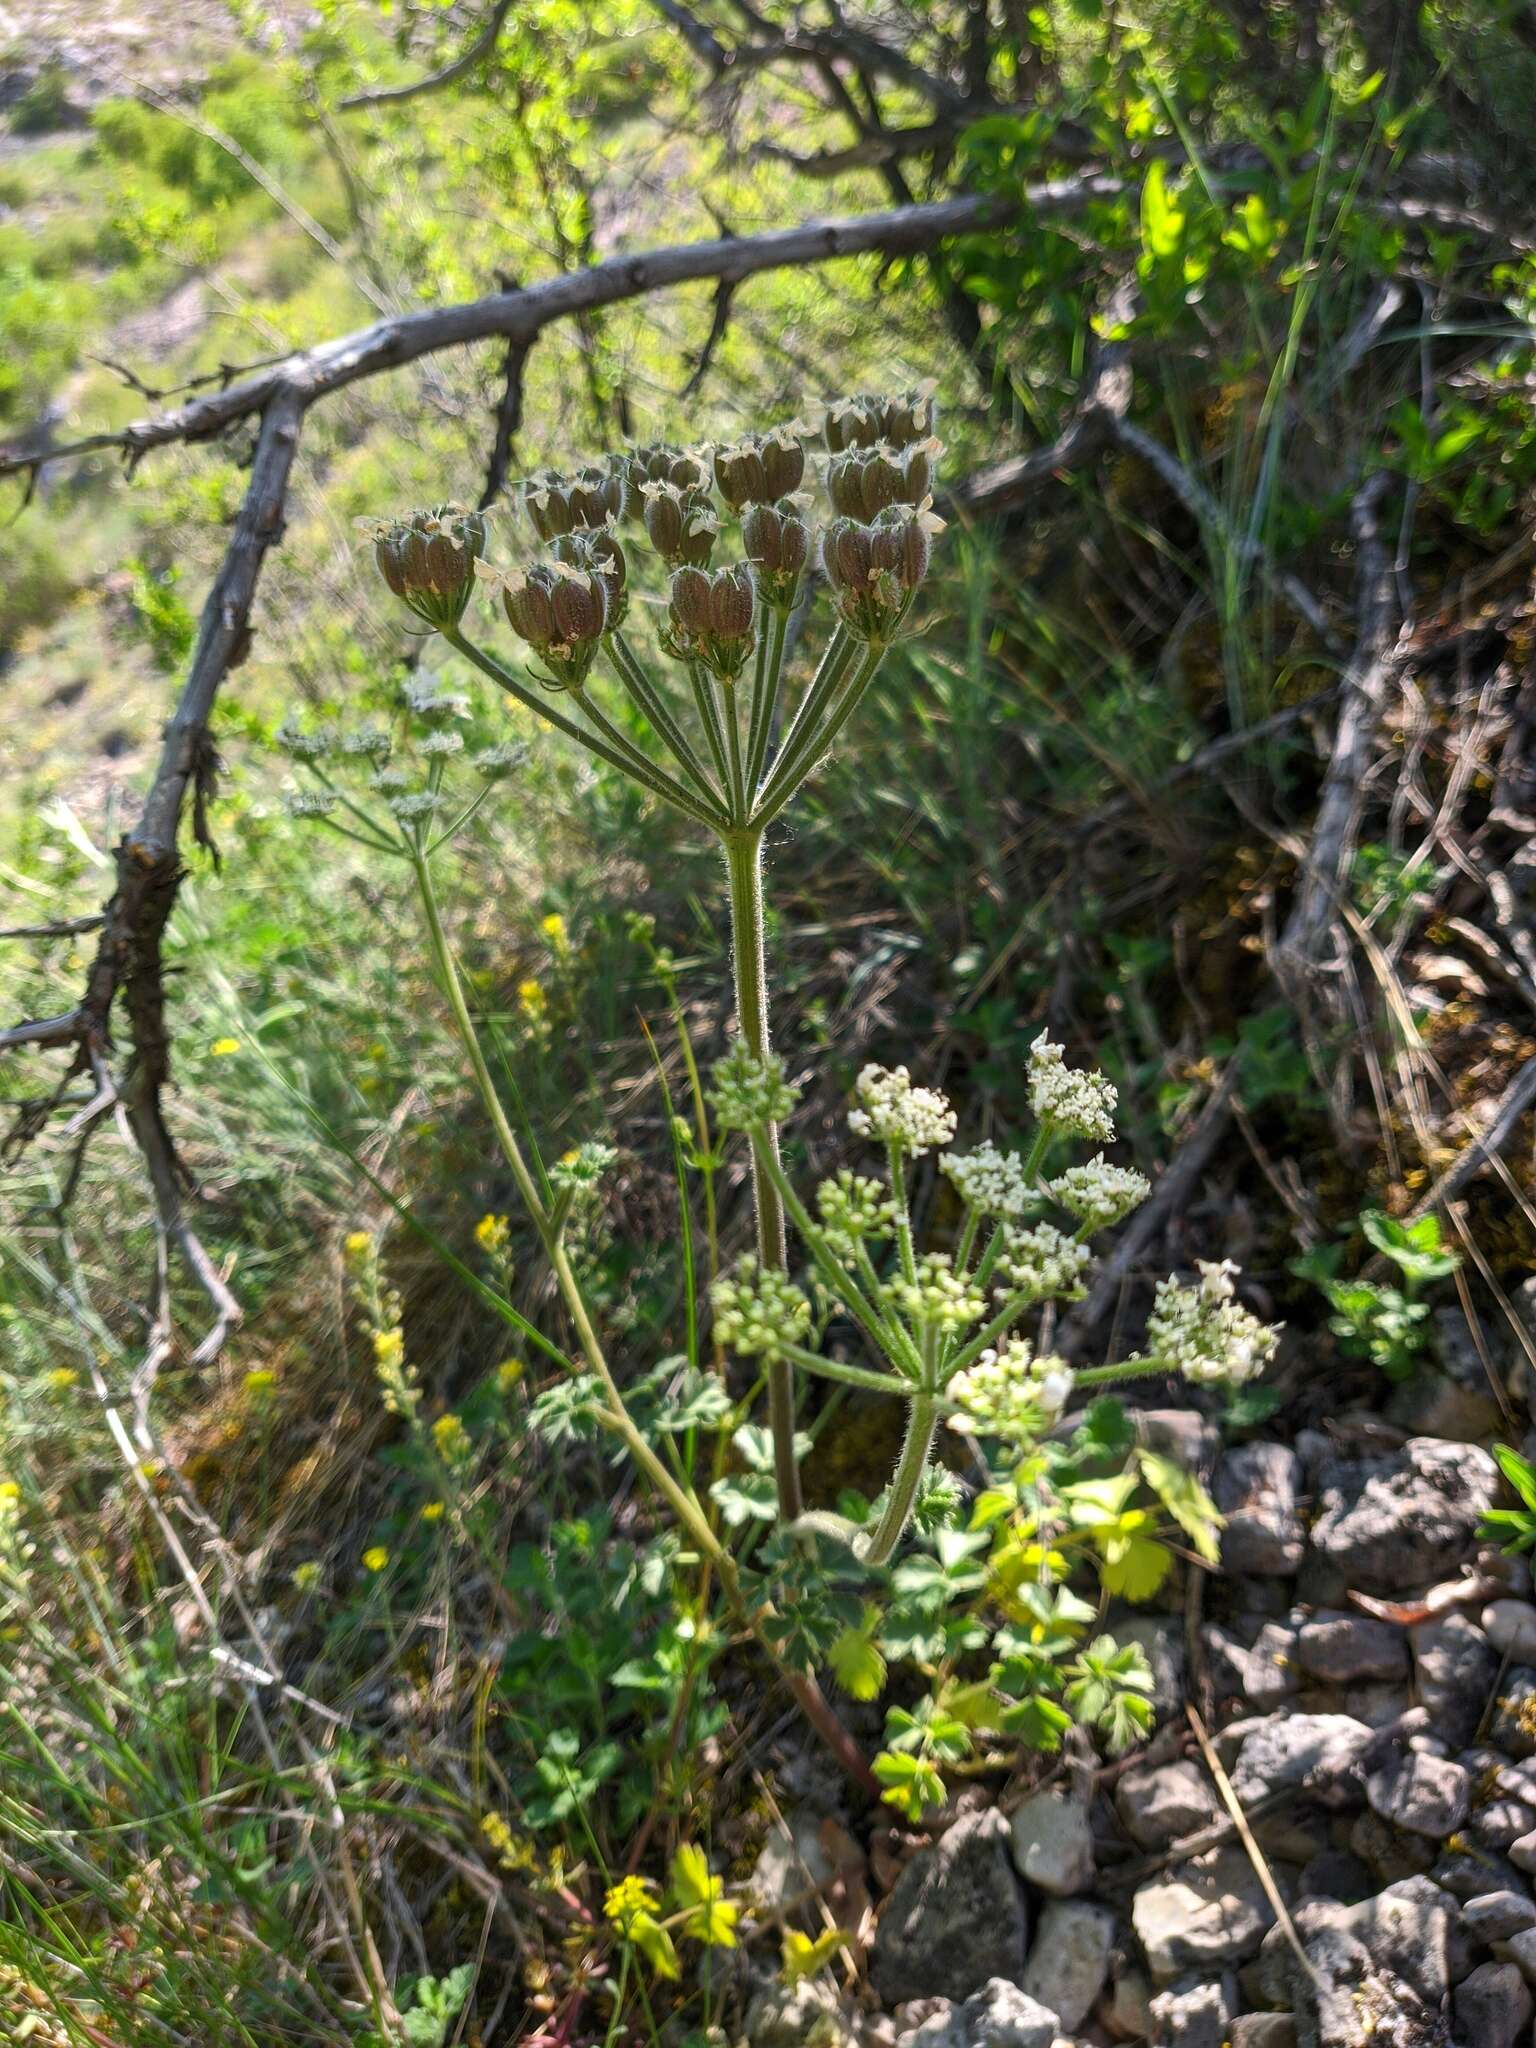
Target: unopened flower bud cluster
{"x": 1205, "y": 1333}
{"x": 1011, "y": 1394}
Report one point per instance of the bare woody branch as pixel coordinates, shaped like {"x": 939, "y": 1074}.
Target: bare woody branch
{"x": 476, "y": 53}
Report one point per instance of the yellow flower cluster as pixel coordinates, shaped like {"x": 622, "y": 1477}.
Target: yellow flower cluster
{"x": 492, "y": 1234}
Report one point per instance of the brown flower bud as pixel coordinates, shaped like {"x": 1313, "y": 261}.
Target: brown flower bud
{"x": 874, "y": 569}
{"x": 864, "y": 419}
{"x": 680, "y": 522}
{"x": 759, "y": 468}
{"x": 590, "y": 497}
{"x": 561, "y": 610}
{"x": 777, "y": 539}
{"x": 658, "y": 462}
{"x": 598, "y": 549}
{"x": 428, "y": 560}
{"x": 712, "y": 617}
{"x": 863, "y": 481}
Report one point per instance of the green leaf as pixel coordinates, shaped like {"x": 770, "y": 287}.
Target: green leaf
{"x": 912, "y": 1784}
{"x": 1162, "y": 218}
{"x": 1186, "y": 1500}
{"x": 1136, "y": 1567}
{"x": 857, "y": 1664}
{"x": 1519, "y": 1471}
{"x": 801, "y": 1956}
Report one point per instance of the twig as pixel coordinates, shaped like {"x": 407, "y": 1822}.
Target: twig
{"x": 480, "y": 48}
{"x": 1517, "y": 1098}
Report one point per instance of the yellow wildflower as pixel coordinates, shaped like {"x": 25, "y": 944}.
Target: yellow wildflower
{"x": 630, "y": 1897}
{"x": 433, "y": 1511}
{"x": 9, "y": 1490}
{"x": 492, "y": 1234}
{"x": 221, "y": 1048}
{"x": 554, "y": 929}
{"x": 509, "y": 1373}
{"x": 388, "y": 1348}
{"x": 261, "y": 1381}
{"x": 357, "y": 1244}
{"x": 513, "y": 1852}
{"x": 454, "y": 1445}
{"x": 306, "y": 1576}
{"x": 532, "y": 1000}
{"x": 61, "y": 1378}
{"x": 374, "y": 1560}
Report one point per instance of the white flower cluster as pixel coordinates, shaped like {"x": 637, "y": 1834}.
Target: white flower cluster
{"x": 1099, "y": 1194}
{"x": 748, "y": 1092}
{"x": 366, "y": 742}
{"x": 758, "y": 1312}
{"x": 443, "y": 743}
{"x": 309, "y": 803}
{"x": 939, "y": 1298}
{"x": 311, "y": 745}
{"x": 989, "y": 1181}
{"x": 581, "y": 1170}
{"x": 414, "y": 804}
{"x": 494, "y": 762}
{"x": 1204, "y": 1331}
{"x": 1011, "y": 1394}
{"x": 1067, "y": 1099}
{"x": 854, "y": 1207}
{"x": 428, "y": 699}
{"x": 891, "y": 1109}
{"x": 1041, "y": 1262}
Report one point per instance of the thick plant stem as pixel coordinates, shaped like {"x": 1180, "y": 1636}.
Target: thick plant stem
{"x": 744, "y": 867}
{"x": 905, "y": 1480}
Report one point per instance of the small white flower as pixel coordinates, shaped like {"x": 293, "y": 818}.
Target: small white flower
{"x": 309, "y": 803}
{"x": 494, "y": 762}
{"x": 1205, "y": 1333}
{"x": 1068, "y": 1099}
{"x": 1011, "y": 1394}
{"x": 392, "y": 778}
{"x": 414, "y": 804}
{"x": 891, "y": 1109}
{"x": 437, "y": 743}
{"x": 1099, "y": 1194}
{"x": 1041, "y": 1261}
{"x": 989, "y": 1181}
{"x": 758, "y": 1312}
{"x": 313, "y": 745}
{"x": 371, "y": 742}
{"x": 939, "y": 1298}
{"x": 428, "y": 699}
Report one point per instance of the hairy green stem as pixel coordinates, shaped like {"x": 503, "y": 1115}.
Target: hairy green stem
{"x": 744, "y": 870}
{"x": 905, "y": 1480}
{"x": 784, "y": 777}
{"x": 656, "y": 710}
{"x": 767, "y": 682}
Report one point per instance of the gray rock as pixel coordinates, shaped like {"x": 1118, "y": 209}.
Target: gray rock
{"x": 1342, "y": 1648}
{"x": 1127, "y": 2011}
{"x": 1391, "y": 1854}
{"x": 1380, "y": 1971}
{"x": 1510, "y": 1625}
{"x": 1493, "y": 2006}
{"x": 1255, "y": 1488}
{"x": 1432, "y": 1404}
{"x": 1500, "y": 1821}
{"x": 1265, "y": 1675}
{"x": 1513, "y": 1727}
{"x": 792, "y": 1861}
{"x": 1053, "y": 1844}
{"x": 1070, "y": 1959}
{"x": 1337, "y": 1874}
{"x": 806, "y": 2015}
{"x": 1393, "y": 1521}
{"x": 1519, "y": 1949}
{"x": 1264, "y": 2030}
{"x": 1498, "y": 1915}
{"x": 1316, "y": 1752}
{"x": 1194, "y": 2012}
{"x": 1470, "y": 1874}
{"x": 1424, "y": 1794}
{"x": 1182, "y": 1434}
{"x": 999, "y": 2015}
{"x": 1160, "y": 1803}
{"x": 1454, "y": 1668}
{"x": 1201, "y": 1914}
{"x": 955, "y": 1918}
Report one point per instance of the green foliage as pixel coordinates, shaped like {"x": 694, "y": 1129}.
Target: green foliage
{"x": 1384, "y": 1323}
{"x": 1513, "y": 1529}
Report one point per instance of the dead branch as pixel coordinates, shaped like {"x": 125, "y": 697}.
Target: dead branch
{"x": 478, "y": 50}
{"x": 1372, "y": 665}
{"x": 509, "y": 420}
{"x": 1512, "y": 1105}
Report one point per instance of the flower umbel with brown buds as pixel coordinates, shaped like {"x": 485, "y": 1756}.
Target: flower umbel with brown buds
{"x": 733, "y": 533}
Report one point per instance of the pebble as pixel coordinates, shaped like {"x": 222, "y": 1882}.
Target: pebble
{"x": 1339, "y": 1648}
{"x": 1053, "y": 1844}
{"x": 998, "y": 2015}
{"x": 1162, "y": 1803}
{"x": 1318, "y": 1752}
{"x": 1519, "y": 1949}
{"x": 1424, "y": 1794}
{"x": 1510, "y": 1626}
{"x": 1209, "y": 1911}
{"x": 1454, "y": 1670}
{"x": 955, "y": 1918}
{"x": 1493, "y": 2006}
{"x": 1195, "y": 2013}
{"x": 1069, "y": 1961}
{"x": 1395, "y": 1520}
{"x": 1498, "y": 1915}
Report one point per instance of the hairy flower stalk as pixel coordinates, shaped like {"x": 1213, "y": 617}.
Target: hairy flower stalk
{"x": 707, "y": 749}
